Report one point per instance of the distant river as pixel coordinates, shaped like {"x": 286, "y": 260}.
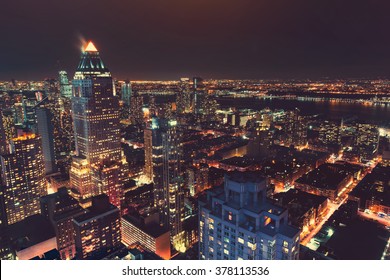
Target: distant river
{"x": 379, "y": 114}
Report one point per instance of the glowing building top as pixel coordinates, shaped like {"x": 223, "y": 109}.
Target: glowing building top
{"x": 91, "y": 64}
{"x": 90, "y": 47}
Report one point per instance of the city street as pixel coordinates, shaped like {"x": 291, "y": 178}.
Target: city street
{"x": 374, "y": 216}
{"x": 332, "y": 207}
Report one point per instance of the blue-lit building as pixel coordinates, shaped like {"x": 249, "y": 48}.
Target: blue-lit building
{"x": 239, "y": 222}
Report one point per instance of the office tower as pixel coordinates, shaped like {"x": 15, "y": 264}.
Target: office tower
{"x": 367, "y": 140}
{"x": 300, "y": 131}
{"x": 95, "y": 111}
{"x": 7, "y": 130}
{"x": 197, "y": 178}
{"x": 167, "y": 176}
{"x": 185, "y": 96}
{"x": 259, "y": 146}
{"x": 266, "y": 118}
{"x": 60, "y": 208}
{"x": 30, "y": 118}
{"x": 209, "y": 108}
{"x": 23, "y": 177}
{"x": 329, "y": 134}
{"x": 197, "y": 88}
{"x": 106, "y": 178}
{"x": 45, "y": 129}
{"x": 296, "y": 128}
{"x": 152, "y": 106}
{"x": 18, "y": 113}
{"x": 148, "y": 143}
{"x": 126, "y": 92}
{"x": 238, "y": 222}
{"x": 180, "y": 102}
{"x": 136, "y": 113}
{"x": 202, "y": 177}
{"x": 190, "y": 182}
{"x": 6, "y": 252}
{"x": 65, "y": 86}
{"x": 146, "y": 231}
{"x": 98, "y": 232}
{"x": 165, "y": 110}
{"x": 50, "y": 86}
{"x": 80, "y": 177}
{"x": 66, "y": 135}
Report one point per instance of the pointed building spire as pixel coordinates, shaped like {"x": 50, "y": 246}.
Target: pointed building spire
{"x": 91, "y": 62}
{"x": 90, "y": 47}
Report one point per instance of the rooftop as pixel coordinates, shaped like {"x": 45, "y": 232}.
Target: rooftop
{"x": 152, "y": 229}
{"x": 245, "y": 177}
{"x": 30, "y": 231}
{"x": 326, "y": 176}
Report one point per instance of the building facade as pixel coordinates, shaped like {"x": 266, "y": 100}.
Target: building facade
{"x": 167, "y": 176}
{"x": 238, "y": 222}
{"x": 95, "y": 110}
{"x": 98, "y": 232}
{"x": 23, "y": 177}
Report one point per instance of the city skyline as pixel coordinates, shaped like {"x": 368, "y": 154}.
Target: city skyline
{"x": 218, "y": 39}
{"x": 96, "y": 164}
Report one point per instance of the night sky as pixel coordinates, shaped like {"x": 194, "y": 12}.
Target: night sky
{"x": 169, "y": 39}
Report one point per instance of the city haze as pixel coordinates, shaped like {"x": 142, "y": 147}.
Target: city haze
{"x": 161, "y": 40}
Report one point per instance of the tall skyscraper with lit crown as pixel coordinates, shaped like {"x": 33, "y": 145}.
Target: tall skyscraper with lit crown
{"x": 95, "y": 110}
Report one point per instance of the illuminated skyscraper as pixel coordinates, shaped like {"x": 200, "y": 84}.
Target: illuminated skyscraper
{"x": 262, "y": 140}
{"x": 238, "y": 222}
{"x": 167, "y": 176}
{"x": 296, "y": 128}
{"x": 183, "y": 97}
{"x": 65, "y": 86}
{"x": 60, "y": 208}
{"x": 126, "y": 92}
{"x": 329, "y": 134}
{"x": 197, "y": 87}
{"x": 148, "y": 143}
{"x": 367, "y": 140}
{"x": 95, "y": 110}
{"x": 98, "y": 232}
{"x": 7, "y": 130}
{"x": 136, "y": 114}
{"x": 23, "y": 178}
{"x": 80, "y": 177}
{"x": 46, "y": 131}
{"x": 106, "y": 178}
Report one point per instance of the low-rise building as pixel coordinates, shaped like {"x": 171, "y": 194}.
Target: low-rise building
{"x": 327, "y": 180}
{"x": 146, "y": 231}
{"x": 304, "y": 209}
